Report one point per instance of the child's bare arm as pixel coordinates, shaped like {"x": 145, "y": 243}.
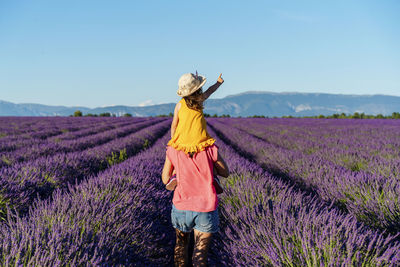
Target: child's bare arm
{"x": 167, "y": 170}
{"x": 221, "y": 167}
{"x": 213, "y": 88}
{"x": 175, "y": 119}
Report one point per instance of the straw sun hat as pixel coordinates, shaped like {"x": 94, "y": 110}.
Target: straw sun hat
{"x": 190, "y": 83}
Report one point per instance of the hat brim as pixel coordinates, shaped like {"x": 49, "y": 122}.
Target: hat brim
{"x": 203, "y": 81}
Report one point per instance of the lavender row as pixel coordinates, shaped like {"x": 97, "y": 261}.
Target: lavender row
{"x": 52, "y": 134}
{"x": 371, "y": 146}
{"x": 120, "y": 217}
{"x": 266, "y": 222}
{"x": 98, "y": 128}
{"x": 48, "y": 148}
{"x": 42, "y": 127}
{"x": 371, "y": 198}
{"x": 372, "y": 194}
{"x": 11, "y": 126}
{"x": 49, "y": 128}
{"x": 21, "y": 183}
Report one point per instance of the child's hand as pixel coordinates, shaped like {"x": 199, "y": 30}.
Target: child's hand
{"x": 220, "y": 80}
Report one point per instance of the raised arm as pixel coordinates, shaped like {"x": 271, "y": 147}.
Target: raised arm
{"x": 175, "y": 119}
{"x": 213, "y": 88}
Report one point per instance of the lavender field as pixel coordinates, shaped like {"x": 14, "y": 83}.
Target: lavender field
{"x": 302, "y": 192}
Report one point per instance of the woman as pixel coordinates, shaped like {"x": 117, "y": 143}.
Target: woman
{"x": 195, "y": 202}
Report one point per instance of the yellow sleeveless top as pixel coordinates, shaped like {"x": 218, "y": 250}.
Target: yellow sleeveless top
{"x": 191, "y": 135}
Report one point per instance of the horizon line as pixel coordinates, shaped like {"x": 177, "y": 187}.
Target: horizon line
{"x": 246, "y": 92}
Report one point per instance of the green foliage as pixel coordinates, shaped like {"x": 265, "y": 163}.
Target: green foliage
{"x": 165, "y": 115}
{"x": 395, "y": 115}
{"x": 78, "y": 113}
{"x": 3, "y": 207}
{"x": 357, "y": 166}
{"x": 5, "y": 160}
{"x": 117, "y": 157}
{"x": 206, "y": 115}
{"x": 355, "y": 115}
{"x": 50, "y": 179}
{"x": 146, "y": 143}
{"x": 258, "y": 116}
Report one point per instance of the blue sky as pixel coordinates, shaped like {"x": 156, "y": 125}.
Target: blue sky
{"x": 99, "y": 53}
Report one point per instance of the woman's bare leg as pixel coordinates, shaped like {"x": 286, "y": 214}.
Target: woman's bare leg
{"x": 202, "y": 243}
{"x": 181, "y": 248}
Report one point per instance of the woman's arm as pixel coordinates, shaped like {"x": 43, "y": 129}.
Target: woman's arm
{"x": 175, "y": 119}
{"x": 167, "y": 170}
{"x": 221, "y": 167}
{"x": 213, "y": 88}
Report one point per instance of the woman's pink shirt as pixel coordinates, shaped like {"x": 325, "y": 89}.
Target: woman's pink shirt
{"x": 195, "y": 190}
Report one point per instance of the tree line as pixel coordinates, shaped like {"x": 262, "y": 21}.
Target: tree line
{"x": 78, "y": 113}
{"x": 355, "y": 115}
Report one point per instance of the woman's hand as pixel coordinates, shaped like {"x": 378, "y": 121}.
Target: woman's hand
{"x": 220, "y": 80}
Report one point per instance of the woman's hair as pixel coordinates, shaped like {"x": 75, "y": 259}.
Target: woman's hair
{"x": 195, "y": 100}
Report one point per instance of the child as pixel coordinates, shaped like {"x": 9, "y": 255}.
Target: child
{"x": 188, "y": 128}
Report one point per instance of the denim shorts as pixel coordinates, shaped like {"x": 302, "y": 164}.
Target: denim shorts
{"x": 186, "y": 220}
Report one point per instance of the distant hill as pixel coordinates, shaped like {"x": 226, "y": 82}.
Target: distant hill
{"x": 244, "y": 104}
{"x": 11, "y": 109}
{"x": 302, "y": 104}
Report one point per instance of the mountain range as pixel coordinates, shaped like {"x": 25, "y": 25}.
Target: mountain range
{"x": 244, "y": 104}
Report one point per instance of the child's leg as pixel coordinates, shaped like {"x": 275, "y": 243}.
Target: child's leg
{"x": 181, "y": 248}
{"x": 202, "y": 243}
